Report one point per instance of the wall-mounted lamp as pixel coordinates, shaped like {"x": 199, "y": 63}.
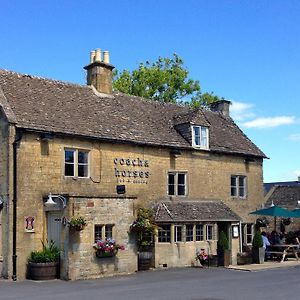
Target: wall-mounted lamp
{"x": 51, "y": 203}
{"x": 175, "y": 152}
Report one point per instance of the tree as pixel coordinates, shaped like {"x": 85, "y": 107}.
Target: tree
{"x": 165, "y": 80}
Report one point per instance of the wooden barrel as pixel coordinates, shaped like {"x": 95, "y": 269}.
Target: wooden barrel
{"x": 144, "y": 260}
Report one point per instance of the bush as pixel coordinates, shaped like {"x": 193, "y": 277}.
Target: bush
{"x": 48, "y": 254}
{"x": 223, "y": 243}
{"x": 257, "y": 240}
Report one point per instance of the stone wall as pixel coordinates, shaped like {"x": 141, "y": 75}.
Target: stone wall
{"x": 143, "y": 171}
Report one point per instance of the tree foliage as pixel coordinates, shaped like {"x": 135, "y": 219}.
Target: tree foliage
{"x": 165, "y": 80}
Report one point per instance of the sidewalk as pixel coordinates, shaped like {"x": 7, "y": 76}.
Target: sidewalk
{"x": 267, "y": 265}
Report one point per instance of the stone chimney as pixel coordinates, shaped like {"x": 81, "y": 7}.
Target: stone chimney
{"x": 221, "y": 106}
{"x": 99, "y": 71}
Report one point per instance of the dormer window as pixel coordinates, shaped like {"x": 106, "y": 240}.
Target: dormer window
{"x": 200, "y": 137}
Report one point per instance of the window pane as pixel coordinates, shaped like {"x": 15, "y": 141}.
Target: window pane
{"x": 196, "y": 130}
{"x": 189, "y": 232}
{"x": 82, "y": 170}
{"x": 108, "y": 231}
{"x": 233, "y": 192}
{"x": 83, "y": 157}
{"x": 233, "y": 181}
{"x": 69, "y": 156}
{"x": 171, "y": 178}
{"x": 209, "y": 232}
{"x": 178, "y": 234}
{"x": 98, "y": 233}
{"x": 181, "y": 178}
{"x": 69, "y": 169}
{"x": 203, "y": 136}
{"x": 171, "y": 181}
{"x": 181, "y": 190}
{"x": 199, "y": 232}
{"x": 164, "y": 233}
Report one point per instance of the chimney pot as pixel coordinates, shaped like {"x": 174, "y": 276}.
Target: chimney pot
{"x": 92, "y": 57}
{"x": 97, "y": 55}
{"x": 106, "y": 57}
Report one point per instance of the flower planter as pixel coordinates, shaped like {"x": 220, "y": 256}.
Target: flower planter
{"x": 43, "y": 271}
{"x": 103, "y": 254}
{"x": 144, "y": 260}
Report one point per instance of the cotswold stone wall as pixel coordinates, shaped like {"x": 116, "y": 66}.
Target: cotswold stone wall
{"x": 143, "y": 171}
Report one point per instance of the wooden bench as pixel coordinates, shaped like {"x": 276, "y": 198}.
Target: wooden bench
{"x": 286, "y": 249}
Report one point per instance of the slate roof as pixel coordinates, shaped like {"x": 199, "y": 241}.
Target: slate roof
{"x": 285, "y": 196}
{"x": 189, "y": 211}
{"x": 269, "y": 185}
{"x": 63, "y": 108}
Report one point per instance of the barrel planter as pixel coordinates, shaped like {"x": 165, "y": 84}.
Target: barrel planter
{"x": 43, "y": 271}
{"x": 144, "y": 260}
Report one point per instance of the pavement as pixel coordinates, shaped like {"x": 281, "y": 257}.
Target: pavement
{"x": 291, "y": 262}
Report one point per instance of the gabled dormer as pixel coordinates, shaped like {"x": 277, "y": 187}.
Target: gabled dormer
{"x": 194, "y": 127}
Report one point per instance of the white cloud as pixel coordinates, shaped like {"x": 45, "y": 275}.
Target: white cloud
{"x": 294, "y": 137}
{"x": 270, "y": 122}
{"x": 240, "y": 111}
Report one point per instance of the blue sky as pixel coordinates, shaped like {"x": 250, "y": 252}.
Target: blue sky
{"x": 245, "y": 51}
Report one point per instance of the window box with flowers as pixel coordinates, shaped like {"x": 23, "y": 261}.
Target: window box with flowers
{"x": 77, "y": 223}
{"x": 107, "y": 248}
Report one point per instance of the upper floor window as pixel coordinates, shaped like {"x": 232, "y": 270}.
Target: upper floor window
{"x": 76, "y": 163}
{"x": 177, "y": 184}
{"x": 200, "y": 137}
{"x": 238, "y": 186}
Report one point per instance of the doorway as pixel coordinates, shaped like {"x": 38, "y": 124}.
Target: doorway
{"x": 54, "y": 228}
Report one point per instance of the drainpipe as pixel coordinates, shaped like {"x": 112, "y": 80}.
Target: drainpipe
{"x": 16, "y": 144}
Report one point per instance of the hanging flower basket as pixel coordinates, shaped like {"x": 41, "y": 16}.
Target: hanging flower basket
{"x": 78, "y": 224}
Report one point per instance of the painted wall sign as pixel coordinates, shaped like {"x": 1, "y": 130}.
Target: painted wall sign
{"x": 29, "y": 223}
{"x": 131, "y": 170}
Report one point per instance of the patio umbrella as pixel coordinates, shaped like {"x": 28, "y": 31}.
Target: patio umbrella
{"x": 296, "y": 213}
{"x": 274, "y": 211}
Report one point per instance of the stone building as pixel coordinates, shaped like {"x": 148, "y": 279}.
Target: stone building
{"x": 103, "y": 154}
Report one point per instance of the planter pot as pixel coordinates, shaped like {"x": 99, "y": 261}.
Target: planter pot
{"x": 78, "y": 227}
{"x": 258, "y": 255}
{"x": 224, "y": 257}
{"x": 103, "y": 254}
{"x": 144, "y": 260}
{"x": 43, "y": 271}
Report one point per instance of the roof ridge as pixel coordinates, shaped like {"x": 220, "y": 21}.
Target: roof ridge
{"x": 50, "y": 80}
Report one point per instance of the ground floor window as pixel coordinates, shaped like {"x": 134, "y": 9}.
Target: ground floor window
{"x": 248, "y": 231}
{"x": 178, "y": 233}
{"x": 186, "y": 232}
{"x": 164, "y": 233}
{"x": 102, "y": 232}
{"x": 199, "y": 232}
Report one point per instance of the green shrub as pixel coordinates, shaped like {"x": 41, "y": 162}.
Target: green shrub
{"x": 257, "y": 240}
{"x": 79, "y": 221}
{"x": 48, "y": 254}
{"x": 223, "y": 243}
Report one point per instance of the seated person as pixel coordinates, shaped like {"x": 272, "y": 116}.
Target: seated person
{"x": 274, "y": 238}
{"x": 266, "y": 244}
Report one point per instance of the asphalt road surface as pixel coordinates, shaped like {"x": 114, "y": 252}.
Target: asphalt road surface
{"x": 184, "y": 283}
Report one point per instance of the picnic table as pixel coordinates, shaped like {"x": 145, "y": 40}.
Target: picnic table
{"x": 283, "y": 250}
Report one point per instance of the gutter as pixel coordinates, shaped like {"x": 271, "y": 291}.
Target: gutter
{"x": 16, "y": 144}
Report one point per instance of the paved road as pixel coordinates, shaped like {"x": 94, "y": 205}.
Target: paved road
{"x": 186, "y": 283}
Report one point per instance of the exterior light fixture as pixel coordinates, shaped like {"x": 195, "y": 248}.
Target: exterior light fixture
{"x": 51, "y": 203}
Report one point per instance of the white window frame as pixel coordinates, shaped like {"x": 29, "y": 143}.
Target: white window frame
{"x": 246, "y": 233}
{"x": 207, "y": 226}
{"x": 186, "y": 233}
{"x": 103, "y": 228}
{"x": 237, "y": 186}
{"x": 198, "y": 235}
{"x": 76, "y": 163}
{"x": 197, "y": 139}
{"x": 176, "y": 184}
{"x": 164, "y": 235}
{"x": 177, "y": 229}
